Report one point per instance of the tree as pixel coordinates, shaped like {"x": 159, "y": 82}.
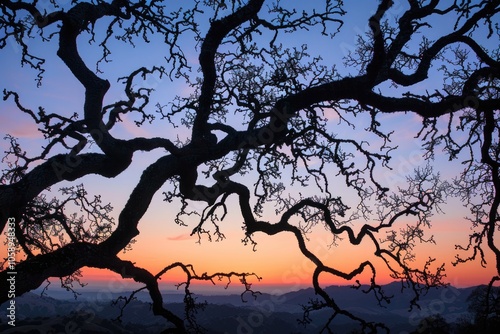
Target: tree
{"x": 484, "y": 304}
{"x": 434, "y": 324}
{"x": 249, "y": 70}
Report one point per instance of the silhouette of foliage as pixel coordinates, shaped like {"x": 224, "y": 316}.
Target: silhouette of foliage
{"x": 484, "y": 304}
{"x": 434, "y": 324}
{"x": 261, "y": 123}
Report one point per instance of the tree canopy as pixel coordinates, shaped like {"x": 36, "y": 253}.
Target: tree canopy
{"x": 273, "y": 118}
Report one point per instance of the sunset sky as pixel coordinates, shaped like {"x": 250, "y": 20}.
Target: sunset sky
{"x": 161, "y": 242}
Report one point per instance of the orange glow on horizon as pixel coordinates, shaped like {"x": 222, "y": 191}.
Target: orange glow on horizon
{"x": 279, "y": 262}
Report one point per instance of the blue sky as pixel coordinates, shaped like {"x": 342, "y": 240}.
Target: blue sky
{"x": 161, "y": 241}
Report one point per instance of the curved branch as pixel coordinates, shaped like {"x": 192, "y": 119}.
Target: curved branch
{"x": 218, "y": 30}
{"x": 127, "y": 269}
{"x": 13, "y": 197}
{"x": 41, "y": 21}
{"x": 430, "y": 53}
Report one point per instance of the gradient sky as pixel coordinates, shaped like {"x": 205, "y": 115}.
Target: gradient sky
{"x": 161, "y": 241}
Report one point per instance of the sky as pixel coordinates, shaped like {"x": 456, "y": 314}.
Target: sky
{"x": 161, "y": 242}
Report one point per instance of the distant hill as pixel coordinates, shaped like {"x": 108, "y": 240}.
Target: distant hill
{"x": 228, "y": 314}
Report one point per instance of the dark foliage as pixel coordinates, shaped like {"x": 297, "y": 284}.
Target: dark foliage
{"x": 259, "y": 107}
